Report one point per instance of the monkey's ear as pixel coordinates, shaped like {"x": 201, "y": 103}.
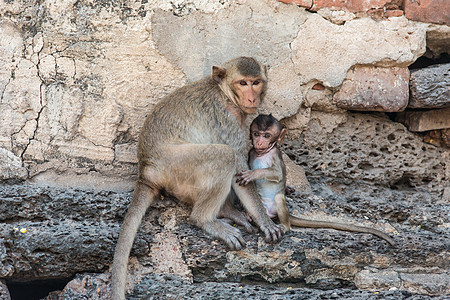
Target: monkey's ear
{"x": 218, "y": 74}
{"x": 281, "y": 136}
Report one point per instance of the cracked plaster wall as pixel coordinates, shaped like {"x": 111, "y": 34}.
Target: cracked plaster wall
{"x": 77, "y": 78}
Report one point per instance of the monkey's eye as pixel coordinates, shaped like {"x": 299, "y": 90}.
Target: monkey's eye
{"x": 267, "y": 135}
{"x": 255, "y": 133}
{"x": 243, "y": 82}
{"x": 256, "y": 82}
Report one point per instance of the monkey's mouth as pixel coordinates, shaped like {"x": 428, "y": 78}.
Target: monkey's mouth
{"x": 250, "y": 110}
{"x": 260, "y": 152}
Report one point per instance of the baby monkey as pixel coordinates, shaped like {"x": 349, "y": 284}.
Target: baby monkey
{"x": 268, "y": 172}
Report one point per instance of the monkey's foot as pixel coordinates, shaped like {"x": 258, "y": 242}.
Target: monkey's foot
{"x": 272, "y": 231}
{"x": 237, "y": 216}
{"x": 224, "y": 231}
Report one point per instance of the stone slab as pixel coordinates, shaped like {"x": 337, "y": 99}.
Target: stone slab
{"x": 430, "y": 87}
{"x": 426, "y": 120}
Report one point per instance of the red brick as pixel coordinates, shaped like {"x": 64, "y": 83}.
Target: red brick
{"x": 429, "y": 11}
{"x": 352, "y": 6}
{"x": 393, "y": 13}
{"x": 369, "y": 88}
{"x": 302, "y": 3}
{"x": 380, "y": 13}
{"x": 318, "y": 87}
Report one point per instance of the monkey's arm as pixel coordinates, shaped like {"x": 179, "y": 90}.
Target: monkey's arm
{"x": 274, "y": 173}
{"x": 270, "y": 174}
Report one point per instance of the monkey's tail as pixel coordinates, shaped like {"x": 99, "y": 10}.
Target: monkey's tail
{"x": 299, "y": 222}
{"x": 140, "y": 202}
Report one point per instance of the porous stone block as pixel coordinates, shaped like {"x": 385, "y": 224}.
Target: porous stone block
{"x": 430, "y": 87}
{"x": 429, "y": 11}
{"x": 368, "y": 88}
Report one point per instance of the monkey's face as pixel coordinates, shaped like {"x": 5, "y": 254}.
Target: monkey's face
{"x": 248, "y": 92}
{"x": 264, "y": 140}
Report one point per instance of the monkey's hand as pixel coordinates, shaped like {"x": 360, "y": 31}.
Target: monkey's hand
{"x": 246, "y": 176}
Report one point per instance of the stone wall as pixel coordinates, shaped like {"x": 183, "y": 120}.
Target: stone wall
{"x": 362, "y": 87}
{"x": 78, "y": 77}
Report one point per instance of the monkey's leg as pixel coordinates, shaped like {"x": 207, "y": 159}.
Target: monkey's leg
{"x": 282, "y": 211}
{"x": 143, "y": 197}
{"x": 202, "y": 175}
{"x": 252, "y": 203}
{"x": 230, "y": 212}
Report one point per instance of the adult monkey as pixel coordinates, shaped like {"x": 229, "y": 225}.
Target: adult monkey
{"x": 268, "y": 171}
{"x": 191, "y": 146}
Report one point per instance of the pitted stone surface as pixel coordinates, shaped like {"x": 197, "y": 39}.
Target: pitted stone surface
{"x": 370, "y": 148}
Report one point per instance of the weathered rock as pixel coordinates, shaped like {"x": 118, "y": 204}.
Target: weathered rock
{"x": 4, "y": 293}
{"x": 434, "y": 284}
{"x": 369, "y": 88}
{"x": 430, "y": 87}
{"x": 154, "y": 286}
{"x": 78, "y": 78}
{"x": 321, "y": 44}
{"x": 287, "y": 104}
{"x": 77, "y": 83}
{"x": 430, "y": 11}
{"x": 87, "y": 286}
{"x": 126, "y": 152}
{"x": 438, "y": 40}
{"x": 296, "y": 177}
{"x": 320, "y": 98}
{"x": 445, "y": 137}
{"x": 20, "y": 86}
{"x": 321, "y": 123}
{"x": 270, "y": 27}
{"x": 65, "y": 231}
{"x": 426, "y": 120}
{"x": 298, "y": 122}
{"x": 338, "y": 17}
{"x": 82, "y": 226}
{"x": 11, "y": 166}
{"x": 370, "y": 148}
{"x": 438, "y": 137}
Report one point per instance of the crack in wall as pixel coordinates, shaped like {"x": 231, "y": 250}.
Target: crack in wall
{"x": 41, "y": 102}
{"x": 2, "y": 94}
{"x": 36, "y": 128}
